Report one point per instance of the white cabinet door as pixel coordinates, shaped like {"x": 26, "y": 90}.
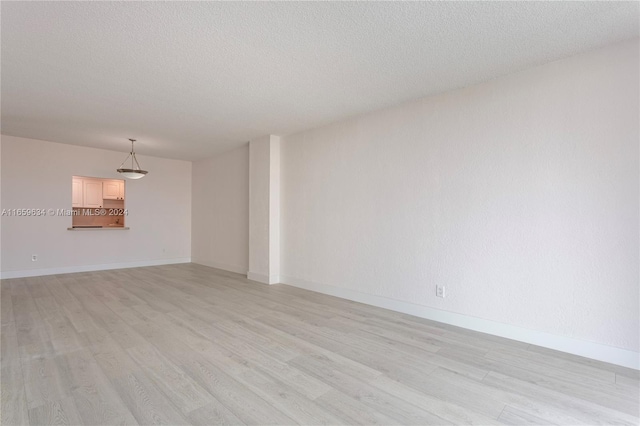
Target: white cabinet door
{"x": 110, "y": 190}
{"x": 76, "y": 193}
{"x": 92, "y": 193}
{"x": 121, "y": 189}
{"x": 113, "y": 189}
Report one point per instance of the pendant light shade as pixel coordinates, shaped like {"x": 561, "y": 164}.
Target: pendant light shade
{"x": 132, "y": 174}
{"x": 135, "y": 172}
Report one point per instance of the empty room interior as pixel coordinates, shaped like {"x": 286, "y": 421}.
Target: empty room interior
{"x": 277, "y": 213}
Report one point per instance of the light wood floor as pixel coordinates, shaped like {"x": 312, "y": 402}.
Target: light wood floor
{"x": 187, "y": 344}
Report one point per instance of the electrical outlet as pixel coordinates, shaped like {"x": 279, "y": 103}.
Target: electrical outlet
{"x": 34, "y": 257}
{"x": 440, "y": 291}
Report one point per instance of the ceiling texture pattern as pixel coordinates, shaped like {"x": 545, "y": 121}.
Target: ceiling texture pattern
{"x": 191, "y": 79}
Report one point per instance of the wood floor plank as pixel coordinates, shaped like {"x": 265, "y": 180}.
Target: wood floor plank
{"x": 157, "y": 303}
{"x": 609, "y": 394}
{"x": 352, "y": 411}
{"x": 64, "y": 337}
{"x": 37, "y": 287}
{"x": 61, "y": 293}
{"x": 123, "y": 313}
{"x": 568, "y": 360}
{"x": 515, "y": 417}
{"x": 543, "y": 363}
{"x": 126, "y": 336}
{"x": 34, "y": 334}
{"x": 6, "y": 306}
{"x": 452, "y": 412}
{"x": 297, "y": 380}
{"x": 605, "y": 394}
{"x": 112, "y": 359}
{"x": 240, "y": 332}
{"x": 186, "y": 320}
{"x": 535, "y": 408}
{"x": 213, "y": 414}
{"x": 146, "y": 403}
{"x": 13, "y": 407}
{"x": 47, "y": 306}
{"x": 60, "y": 412}
{"x": 581, "y": 411}
{"x": 243, "y": 403}
{"x": 94, "y": 395}
{"x": 25, "y": 311}
{"x": 392, "y": 335}
{"x": 9, "y": 349}
{"x": 83, "y": 318}
{"x": 409, "y": 333}
{"x": 633, "y": 385}
{"x": 305, "y": 347}
{"x": 389, "y": 405}
{"x": 173, "y": 382}
{"x": 44, "y": 381}
{"x": 293, "y": 404}
{"x": 34, "y": 341}
{"x": 381, "y": 361}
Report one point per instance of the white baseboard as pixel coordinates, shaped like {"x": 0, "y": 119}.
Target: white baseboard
{"x": 223, "y": 266}
{"x": 597, "y": 351}
{"x": 263, "y": 278}
{"x": 89, "y": 268}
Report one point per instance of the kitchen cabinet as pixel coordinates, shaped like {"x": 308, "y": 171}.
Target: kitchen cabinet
{"x": 77, "y": 191}
{"x": 92, "y": 193}
{"x": 113, "y": 189}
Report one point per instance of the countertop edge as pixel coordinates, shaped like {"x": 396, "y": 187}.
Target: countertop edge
{"x": 106, "y": 228}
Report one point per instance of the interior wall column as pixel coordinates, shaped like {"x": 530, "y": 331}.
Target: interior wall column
{"x": 264, "y": 210}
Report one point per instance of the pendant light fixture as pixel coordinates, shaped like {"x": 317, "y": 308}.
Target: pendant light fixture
{"x": 132, "y": 173}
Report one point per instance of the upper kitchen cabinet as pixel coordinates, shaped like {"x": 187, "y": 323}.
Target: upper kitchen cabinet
{"x": 77, "y": 199}
{"x": 113, "y": 189}
{"x": 90, "y": 192}
{"x": 92, "y": 195}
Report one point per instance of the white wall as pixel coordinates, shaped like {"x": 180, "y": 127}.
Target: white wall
{"x": 264, "y": 209}
{"x": 221, "y": 211}
{"x": 519, "y": 195}
{"x": 37, "y": 174}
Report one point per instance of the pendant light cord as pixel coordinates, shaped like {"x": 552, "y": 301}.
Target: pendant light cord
{"x": 132, "y": 154}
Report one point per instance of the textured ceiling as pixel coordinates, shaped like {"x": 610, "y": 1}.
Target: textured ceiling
{"x": 190, "y": 79}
